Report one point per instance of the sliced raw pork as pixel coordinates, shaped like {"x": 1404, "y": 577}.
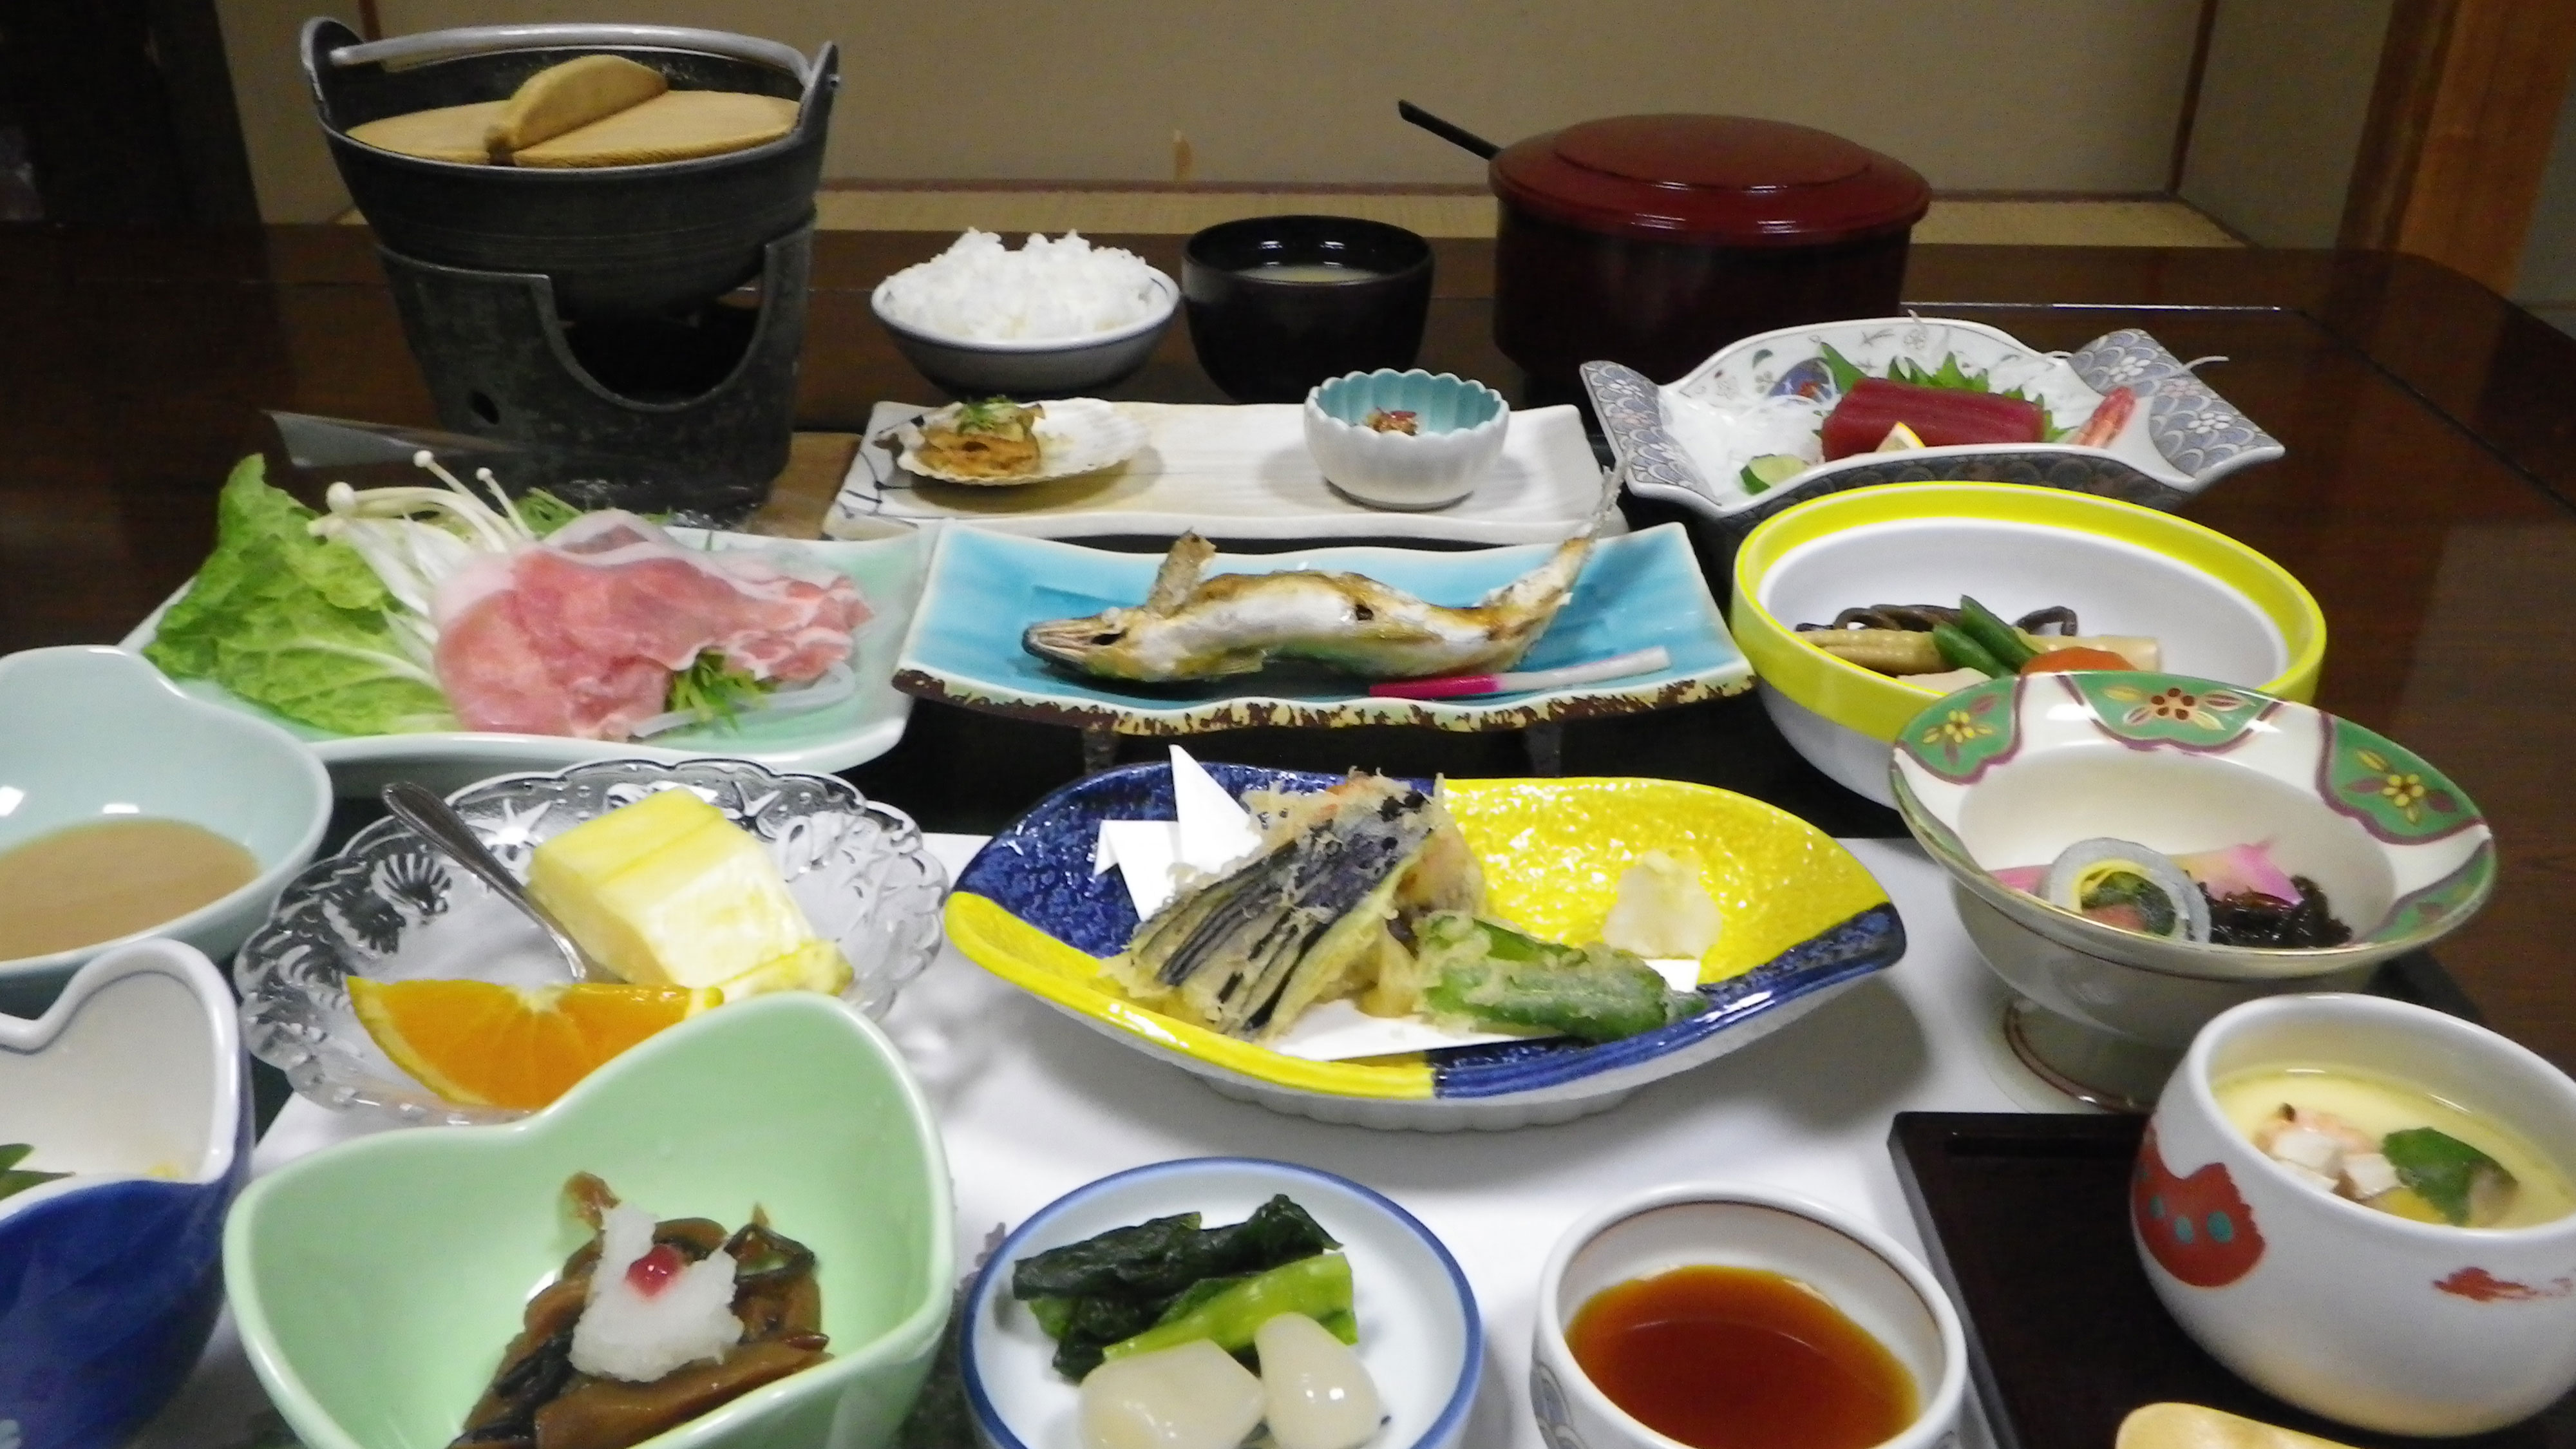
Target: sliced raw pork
{"x": 580, "y": 635}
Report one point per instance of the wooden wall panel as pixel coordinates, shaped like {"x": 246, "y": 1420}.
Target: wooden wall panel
{"x": 2460, "y": 131}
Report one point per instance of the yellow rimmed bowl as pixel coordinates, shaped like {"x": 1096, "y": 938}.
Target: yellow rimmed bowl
{"x": 2219, "y": 609}
{"x": 1804, "y": 921}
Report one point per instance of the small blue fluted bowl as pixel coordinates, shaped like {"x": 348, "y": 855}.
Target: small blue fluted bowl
{"x": 1460, "y": 426}
{"x": 110, "y": 1277}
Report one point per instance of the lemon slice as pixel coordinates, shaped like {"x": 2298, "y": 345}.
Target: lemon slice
{"x": 1899, "y": 439}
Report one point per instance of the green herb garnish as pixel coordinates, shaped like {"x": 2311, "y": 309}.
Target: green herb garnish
{"x": 2444, "y": 1171}
{"x": 543, "y": 512}
{"x": 713, "y": 690}
{"x": 15, "y": 1179}
{"x": 992, "y": 415}
{"x": 1845, "y": 373}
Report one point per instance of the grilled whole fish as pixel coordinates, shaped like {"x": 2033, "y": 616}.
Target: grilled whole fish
{"x": 1191, "y": 627}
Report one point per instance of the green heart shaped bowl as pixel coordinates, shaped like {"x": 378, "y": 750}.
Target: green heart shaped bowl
{"x": 376, "y": 1283}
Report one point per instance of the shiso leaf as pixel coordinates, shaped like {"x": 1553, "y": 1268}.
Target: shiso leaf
{"x": 1843, "y": 370}
{"x": 2442, "y": 1169}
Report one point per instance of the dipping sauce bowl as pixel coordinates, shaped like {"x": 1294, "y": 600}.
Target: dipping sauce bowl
{"x": 1875, "y": 1283}
{"x": 1278, "y": 304}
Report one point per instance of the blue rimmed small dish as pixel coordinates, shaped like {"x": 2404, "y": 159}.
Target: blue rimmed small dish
{"x": 1450, "y": 432}
{"x": 1420, "y": 1333}
{"x": 132, "y": 1086}
{"x": 1804, "y": 921}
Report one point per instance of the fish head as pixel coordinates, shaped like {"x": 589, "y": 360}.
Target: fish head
{"x": 1137, "y": 644}
{"x": 1095, "y": 643}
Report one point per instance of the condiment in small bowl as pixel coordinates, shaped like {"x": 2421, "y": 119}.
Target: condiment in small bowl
{"x": 1405, "y": 440}
{"x": 2295, "y": 1280}
{"x": 1831, "y": 1336}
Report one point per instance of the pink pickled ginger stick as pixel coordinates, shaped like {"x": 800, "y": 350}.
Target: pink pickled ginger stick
{"x": 1458, "y": 686}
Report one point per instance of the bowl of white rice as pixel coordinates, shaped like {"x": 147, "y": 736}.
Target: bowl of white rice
{"x": 1054, "y": 318}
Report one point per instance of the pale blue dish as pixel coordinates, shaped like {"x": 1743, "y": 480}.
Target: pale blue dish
{"x": 1637, "y": 591}
{"x": 92, "y": 733}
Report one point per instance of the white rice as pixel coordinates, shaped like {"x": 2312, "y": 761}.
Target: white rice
{"x": 624, "y": 1335}
{"x": 979, "y": 290}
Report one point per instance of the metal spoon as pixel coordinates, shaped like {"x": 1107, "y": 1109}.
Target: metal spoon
{"x": 434, "y": 821}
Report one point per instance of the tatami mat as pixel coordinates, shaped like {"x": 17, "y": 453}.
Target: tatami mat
{"x": 2025, "y": 223}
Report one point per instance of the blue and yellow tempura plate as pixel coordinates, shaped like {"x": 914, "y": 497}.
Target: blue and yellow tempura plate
{"x": 1803, "y": 922}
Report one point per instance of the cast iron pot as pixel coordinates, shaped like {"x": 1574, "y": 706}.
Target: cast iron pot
{"x": 1656, "y": 240}
{"x": 619, "y": 241}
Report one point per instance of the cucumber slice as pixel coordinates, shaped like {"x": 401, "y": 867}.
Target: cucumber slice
{"x": 1771, "y": 470}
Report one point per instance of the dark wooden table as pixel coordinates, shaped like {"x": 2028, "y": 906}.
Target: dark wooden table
{"x": 2425, "y": 500}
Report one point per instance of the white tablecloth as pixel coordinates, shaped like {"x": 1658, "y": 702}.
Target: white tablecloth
{"x": 1032, "y": 1106}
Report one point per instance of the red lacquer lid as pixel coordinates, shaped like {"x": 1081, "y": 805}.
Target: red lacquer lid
{"x": 1724, "y": 179}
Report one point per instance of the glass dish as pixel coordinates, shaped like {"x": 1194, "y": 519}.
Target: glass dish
{"x": 390, "y": 907}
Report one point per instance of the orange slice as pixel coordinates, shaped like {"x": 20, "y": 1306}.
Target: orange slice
{"x": 486, "y": 1045}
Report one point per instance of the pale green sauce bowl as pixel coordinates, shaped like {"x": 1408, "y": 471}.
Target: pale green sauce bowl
{"x": 93, "y": 733}
{"x": 376, "y": 1283}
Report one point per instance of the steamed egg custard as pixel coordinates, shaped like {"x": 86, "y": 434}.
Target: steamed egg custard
{"x": 2394, "y": 1147}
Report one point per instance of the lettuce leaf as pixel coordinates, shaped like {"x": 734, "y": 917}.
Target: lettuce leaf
{"x": 295, "y": 623}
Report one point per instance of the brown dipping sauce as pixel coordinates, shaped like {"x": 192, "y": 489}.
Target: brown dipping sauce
{"x": 1739, "y": 1358}
{"x": 89, "y": 883}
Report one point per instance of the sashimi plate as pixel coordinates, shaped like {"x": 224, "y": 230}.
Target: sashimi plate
{"x": 1687, "y": 442}
{"x": 832, "y": 738}
{"x": 1636, "y": 592}
{"x": 1803, "y": 922}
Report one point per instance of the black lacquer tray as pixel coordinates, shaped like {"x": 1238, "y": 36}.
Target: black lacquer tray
{"x": 2025, "y": 1219}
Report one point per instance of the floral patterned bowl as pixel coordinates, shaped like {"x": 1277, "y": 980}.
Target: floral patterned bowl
{"x": 390, "y": 907}
{"x": 2010, "y": 772}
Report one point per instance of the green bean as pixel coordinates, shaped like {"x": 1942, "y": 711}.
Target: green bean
{"x": 1964, "y": 652}
{"x": 1999, "y": 638}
